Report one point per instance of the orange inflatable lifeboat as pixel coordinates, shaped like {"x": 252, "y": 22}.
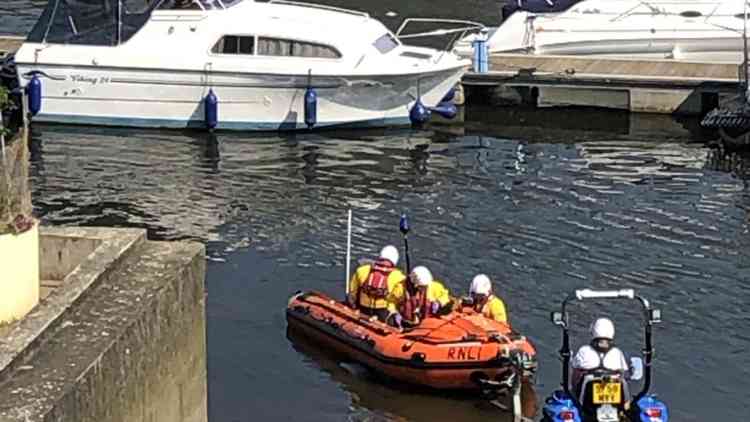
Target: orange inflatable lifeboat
{"x": 462, "y": 350}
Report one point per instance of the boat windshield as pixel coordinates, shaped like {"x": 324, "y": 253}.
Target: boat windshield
{"x": 538, "y": 6}
{"x": 197, "y": 4}
{"x": 105, "y": 22}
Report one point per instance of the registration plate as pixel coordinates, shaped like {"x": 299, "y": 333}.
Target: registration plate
{"x": 607, "y": 393}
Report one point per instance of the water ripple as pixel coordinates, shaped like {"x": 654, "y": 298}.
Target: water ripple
{"x": 540, "y": 218}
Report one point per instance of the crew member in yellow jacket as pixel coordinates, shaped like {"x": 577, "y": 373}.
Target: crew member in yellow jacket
{"x": 421, "y": 297}
{"x": 485, "y": 302}
{"x": 372, "y": 286}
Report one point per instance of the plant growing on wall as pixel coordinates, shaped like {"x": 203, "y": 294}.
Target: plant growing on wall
{"x": 4, "y": 103}
{"x": 15, "y": 197}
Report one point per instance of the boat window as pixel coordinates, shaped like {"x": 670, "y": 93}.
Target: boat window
{"x": 235, "y": 44}
{"x": 385, "y": 43}
{"x": 415, "y": 55}
{"x": 691, "y": 14}
{"x": 179, "y": 5}
{"x": 281, "y": 47}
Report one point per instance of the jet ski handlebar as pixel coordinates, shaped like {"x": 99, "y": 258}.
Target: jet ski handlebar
{"x": 604, "y": 294}
{"x": 653, "y": 316}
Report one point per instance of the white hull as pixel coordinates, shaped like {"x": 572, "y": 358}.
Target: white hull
{"x": 259, "y": 58}
{"x": 625, "y": 29}
{"x": 141, "y": 98}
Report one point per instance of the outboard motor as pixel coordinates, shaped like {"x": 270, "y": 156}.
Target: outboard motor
{"x": 9, "y": 73}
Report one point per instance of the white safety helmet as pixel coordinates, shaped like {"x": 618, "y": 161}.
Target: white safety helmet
{"x": 421, "y": 276}
{"x": 481, "y": 285}
{"x": 390, "y": 253}
{"x": 603, "y": 328}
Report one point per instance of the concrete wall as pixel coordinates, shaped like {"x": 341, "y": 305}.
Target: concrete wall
{"x": 19, "y": 274}
{"x": 130, "y": 347}
{"x": 59, "y": 255}
{"x": 554, "y": 96}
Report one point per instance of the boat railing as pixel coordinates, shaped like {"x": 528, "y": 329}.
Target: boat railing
{"x": 320, "y": 6}
{"x": 654, "y": 11}
{"x": 457, "y": 32}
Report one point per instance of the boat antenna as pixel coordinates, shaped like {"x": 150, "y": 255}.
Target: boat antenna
{"x": 403, "y": 226}
{"x": 348, "y": 249}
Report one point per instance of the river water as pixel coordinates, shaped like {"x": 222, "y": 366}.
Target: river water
{"x": 544, "y": 202}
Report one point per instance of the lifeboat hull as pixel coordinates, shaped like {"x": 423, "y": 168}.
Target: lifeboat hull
{"x": 461, "y": 351}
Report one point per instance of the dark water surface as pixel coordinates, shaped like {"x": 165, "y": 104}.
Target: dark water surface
{"x": 543, "y": 201}
{"x": 540, "y": 202}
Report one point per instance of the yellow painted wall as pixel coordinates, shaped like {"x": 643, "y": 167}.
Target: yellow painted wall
{"x": 19, "y": 274}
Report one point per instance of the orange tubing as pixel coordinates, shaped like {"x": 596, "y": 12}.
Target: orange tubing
{"x": 447, "y": 352}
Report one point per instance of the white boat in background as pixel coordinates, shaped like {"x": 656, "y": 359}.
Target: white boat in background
{"x": 154, "y": 63}
{"x": 699, "y": 30}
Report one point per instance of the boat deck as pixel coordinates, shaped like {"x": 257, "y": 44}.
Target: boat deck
{"x": 639, "y": 85}
{"x": 9, "y": 44}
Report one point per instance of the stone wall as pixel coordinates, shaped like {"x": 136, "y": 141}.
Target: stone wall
{"x": 130, "y": 347}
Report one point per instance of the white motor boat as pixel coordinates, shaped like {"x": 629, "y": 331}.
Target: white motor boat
{"x": 698, "y": 30}
{"x": 246, "y": 65}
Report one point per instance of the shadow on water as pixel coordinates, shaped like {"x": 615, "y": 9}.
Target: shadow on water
{"x": 578, "y": 124}
{"x": 369, "y": 392}
{"x": 544, "y": 202}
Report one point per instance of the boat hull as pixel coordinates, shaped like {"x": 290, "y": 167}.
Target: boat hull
{"x": 456, "y": 365}
{"x": 674, "y": 30}
{"x": 174, "y": 99}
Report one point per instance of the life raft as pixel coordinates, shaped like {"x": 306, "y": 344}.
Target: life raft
{"x": 460, "y": 351}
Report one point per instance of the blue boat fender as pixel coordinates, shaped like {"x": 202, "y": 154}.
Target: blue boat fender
{"x": 311, "y": 107}
{"x": 34, "y": 91}
{"x": 419, "y": 114}
{"x": 446, "y": 110}
{"x": 211, "y": 106}
{"x": 449, "y": 96}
